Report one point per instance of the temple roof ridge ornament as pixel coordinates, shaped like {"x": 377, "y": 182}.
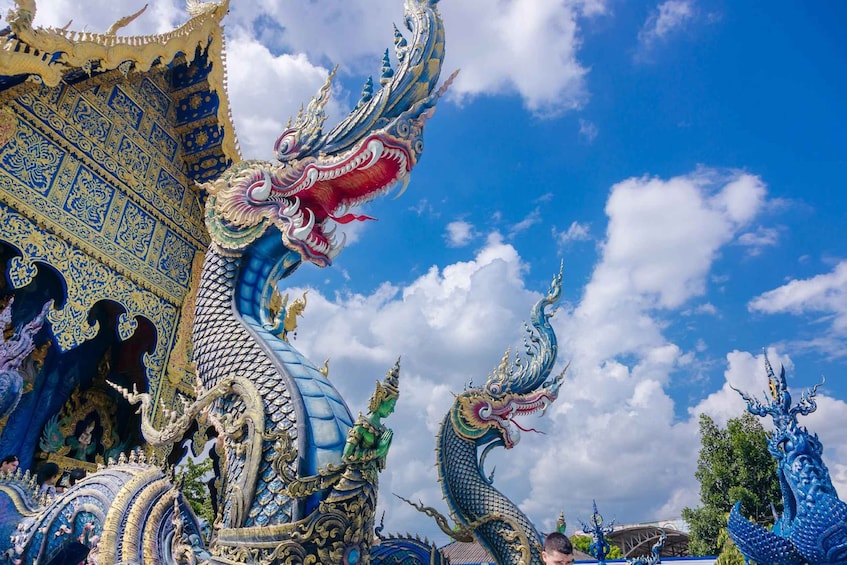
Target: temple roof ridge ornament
{"x": 48, "y": 53}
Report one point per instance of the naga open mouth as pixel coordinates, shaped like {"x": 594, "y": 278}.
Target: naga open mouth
{"x": 307, "y": 199}
{"x": 504, "y": 414}
{"x": 315, "y": 195}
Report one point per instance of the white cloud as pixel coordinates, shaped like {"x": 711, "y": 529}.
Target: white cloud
{"x": 824, "y": 294}
{"x": 756, "y": 240}
{"x": 664, "y": 235}
{"x": 496, "y": 45}
{"x": 576, "y": 232}
{"x": 588, "y": 130}
{"x": 527, "y": 222}
{"x": 263, "y": 101}
{"x": 668, "y": 19}
{"x": 498, "y": 50}
{"x": 459, "y": 233}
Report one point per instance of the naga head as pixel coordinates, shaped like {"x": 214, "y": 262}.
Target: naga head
{"x": 518, "y": 387}
{"x": 321, "y": 175}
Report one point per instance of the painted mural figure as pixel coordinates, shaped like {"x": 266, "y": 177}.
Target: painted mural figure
{"x": 84, "y": 443}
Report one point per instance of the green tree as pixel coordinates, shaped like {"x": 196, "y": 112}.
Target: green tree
{"x": 734, "y": 465}
{"x": 193, "y": 476}
{"x": 583, "y": 543}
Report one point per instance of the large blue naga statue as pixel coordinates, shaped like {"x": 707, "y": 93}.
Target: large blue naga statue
{"x": 298, "y": 475}
{"x": 813, "y": 526}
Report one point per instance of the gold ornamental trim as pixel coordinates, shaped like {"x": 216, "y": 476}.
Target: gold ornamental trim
{"x": 32, "y": 52}
{"x": 87, "y": 281}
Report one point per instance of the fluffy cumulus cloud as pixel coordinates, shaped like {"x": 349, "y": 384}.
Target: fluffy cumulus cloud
{"x": 498, "y": 49}
{"x": 266, "y": 92}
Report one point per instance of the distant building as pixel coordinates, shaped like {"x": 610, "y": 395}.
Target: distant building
{"x": 637, "y": 539}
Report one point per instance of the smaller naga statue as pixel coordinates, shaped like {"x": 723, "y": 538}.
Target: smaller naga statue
{"x": 813, "y": 526}
{"x": 598, "y": 529}
{"x": 655, "y": 556}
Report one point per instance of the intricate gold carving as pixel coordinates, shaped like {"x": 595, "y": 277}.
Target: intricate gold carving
{"x": 283, "y": 315}
{"x": 181, "y": 371}
{"x": 147, "y": 236}
{"x": 24, "y": 52}
{"x": 87, "y": 281}
{"x": 8, "y": 125}
{"x": 243, "y": 434}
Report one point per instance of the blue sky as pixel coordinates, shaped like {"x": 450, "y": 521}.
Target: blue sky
{"x": 684, "y": 158}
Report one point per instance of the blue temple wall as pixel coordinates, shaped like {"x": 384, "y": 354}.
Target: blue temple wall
{"x": 99, "y": 212}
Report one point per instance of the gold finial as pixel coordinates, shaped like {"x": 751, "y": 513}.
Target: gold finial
{"x": 123, "y": 22}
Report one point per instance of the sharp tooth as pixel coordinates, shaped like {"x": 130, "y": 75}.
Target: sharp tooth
{"x": 292, "y": 208}
{"x": 375, "y": 147}
{"x": 329, "y": 230}
{"x": 261, "y": 193}
{"x": 333, "y": 252}
{"x": 304, "y": 230}
{"x": 311, "y": 177}
{"x": 404, "y": 184}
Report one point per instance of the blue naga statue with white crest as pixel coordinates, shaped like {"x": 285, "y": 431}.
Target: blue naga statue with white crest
{"x": 813, "y": 525}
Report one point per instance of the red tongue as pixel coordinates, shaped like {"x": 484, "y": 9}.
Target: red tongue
{"x": 347, "y": 218}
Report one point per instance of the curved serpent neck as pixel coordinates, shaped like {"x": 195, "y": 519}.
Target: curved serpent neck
{"x": 471, "y": 497}
{"x": 224, "y": 347}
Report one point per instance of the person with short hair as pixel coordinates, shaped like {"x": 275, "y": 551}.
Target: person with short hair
{"x": 558, "y": 550}
{"x": 75, "y": 475}
{"x": 46, "y": 478}
{"x": 9, "y": 464}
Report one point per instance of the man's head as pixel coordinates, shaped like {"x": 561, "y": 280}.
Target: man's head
{"x": 558, "y": 550}
{"x": 9, "y": 464}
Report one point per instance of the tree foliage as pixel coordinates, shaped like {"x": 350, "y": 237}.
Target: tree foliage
{"x": 583, "y": 543}
{"x": 193, "y": 476}
{"x": 734, "y": 465}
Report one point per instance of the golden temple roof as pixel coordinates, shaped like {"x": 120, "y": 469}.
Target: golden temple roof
{"x": 49, "y": 55}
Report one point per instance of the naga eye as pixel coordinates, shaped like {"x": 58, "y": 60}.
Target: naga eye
{"x": 286, "y": 144}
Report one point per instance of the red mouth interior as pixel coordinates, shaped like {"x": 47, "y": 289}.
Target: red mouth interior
{"x": 351, "y": 188}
